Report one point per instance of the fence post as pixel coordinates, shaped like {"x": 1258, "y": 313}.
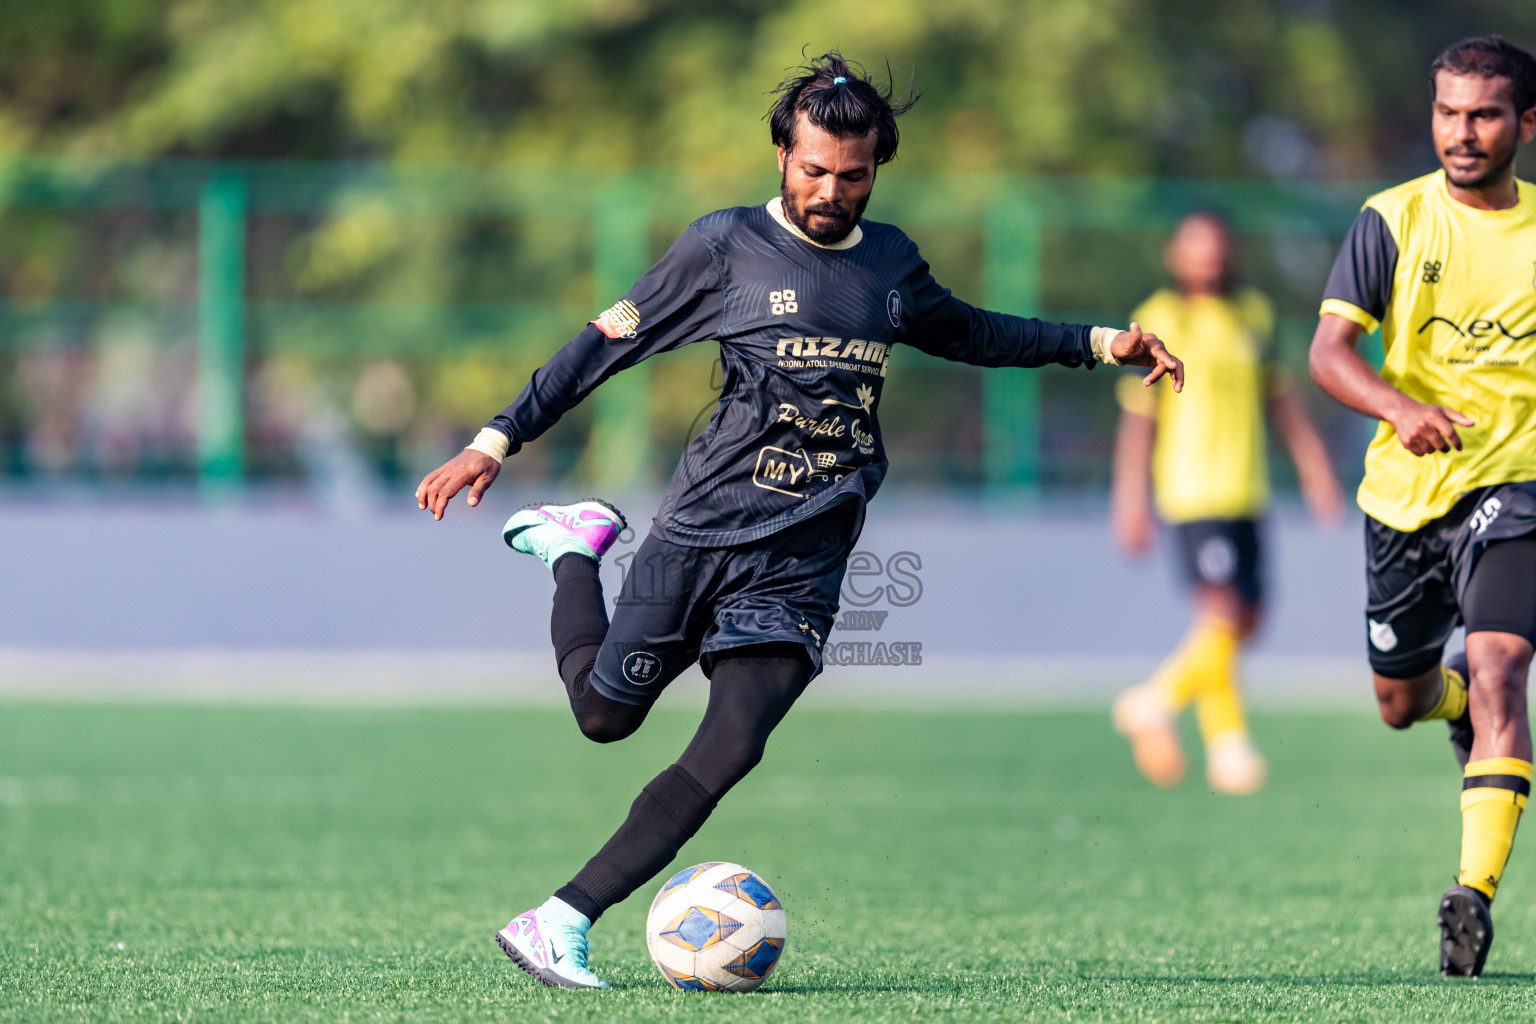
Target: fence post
{"x": 619, "y": 449}
{"x": 1011, "y": 396}
{"x": 221, "y": 332}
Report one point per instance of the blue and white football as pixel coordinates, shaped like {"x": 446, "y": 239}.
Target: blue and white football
{"x": 715, "y": 927}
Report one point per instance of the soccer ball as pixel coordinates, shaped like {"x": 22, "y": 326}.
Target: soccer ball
{"x": 715, "y": 927}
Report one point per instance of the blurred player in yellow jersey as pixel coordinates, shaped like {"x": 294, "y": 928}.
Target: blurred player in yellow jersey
{"x": 1446, "y": 266}
{"x": 1204, "y": 458}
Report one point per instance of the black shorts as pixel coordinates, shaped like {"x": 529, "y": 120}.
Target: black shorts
{"x": 683, "y": 604}
{"x": 1423, "y": 584}
{"x": 1222, "y": 553}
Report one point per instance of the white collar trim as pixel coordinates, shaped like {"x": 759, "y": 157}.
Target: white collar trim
{"x": 776, "y": 211}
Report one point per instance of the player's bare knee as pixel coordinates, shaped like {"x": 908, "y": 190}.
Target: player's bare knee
{"x": 1499, "y": 682}
{"x": 1397, "y": 702}
{"x": 1396, "y": 712}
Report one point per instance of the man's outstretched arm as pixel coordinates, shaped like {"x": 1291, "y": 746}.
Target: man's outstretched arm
{"x": 946, "y": 327}
{"x": 677, "y": 302}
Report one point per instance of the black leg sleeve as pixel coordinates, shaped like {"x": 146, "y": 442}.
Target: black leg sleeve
{"x": 750, "y": 693}
{"x": 578, "y": 622}
{"x": 577, "y": 626}
{"x": 1501, "y": 596}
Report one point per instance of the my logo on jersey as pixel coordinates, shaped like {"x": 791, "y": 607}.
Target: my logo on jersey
{"x": 783, "y": 302}
{"x": 620, "y": 320}
{"x": 1479, "y": 328}
{"x": 893, "y": 308}
{"x": 779, "y": 469}
{"x": 1382, "y": 636}
{"x": 1432, "y": 271}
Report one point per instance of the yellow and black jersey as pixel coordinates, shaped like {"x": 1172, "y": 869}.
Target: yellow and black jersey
{"x": 1454, "y": 292}
{"x": 1208, "y": 459}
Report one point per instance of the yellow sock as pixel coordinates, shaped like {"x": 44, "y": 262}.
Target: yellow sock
{"x": 1493, "y": 794}
{"x": 1219, "y": 704}
{"x": 1207, "y": 651}
{"x": 1452, "y": 702}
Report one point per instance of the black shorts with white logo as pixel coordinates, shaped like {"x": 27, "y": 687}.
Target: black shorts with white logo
{"x": 682, "y": 604}
{"x": 1422, "y": 584}
{"x": 1223, "y": 553}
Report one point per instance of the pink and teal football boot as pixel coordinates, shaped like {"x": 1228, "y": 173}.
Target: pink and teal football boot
{"x": 548, "y": 532}
{"x": 550, "y": 943}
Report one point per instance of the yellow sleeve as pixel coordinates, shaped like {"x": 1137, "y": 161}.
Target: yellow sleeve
{"x": 1134, "y": 397}
{"x": 1350, "y": 311}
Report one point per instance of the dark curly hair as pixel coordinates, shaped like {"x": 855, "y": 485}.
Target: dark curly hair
{"x": 850, "y": 108}
{"x": 1491, "y": 57}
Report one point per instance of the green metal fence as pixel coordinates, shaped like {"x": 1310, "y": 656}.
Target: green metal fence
{"x": 1067, "y": 248}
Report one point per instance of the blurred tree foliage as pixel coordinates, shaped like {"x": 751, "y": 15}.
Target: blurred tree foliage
{"x": 1285, "y": 89}
{"x": 1182, "y": 87}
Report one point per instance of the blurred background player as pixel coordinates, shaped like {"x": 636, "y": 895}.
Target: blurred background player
{"x": 1213, "y": 501}
{"x": 1446, "y": 266}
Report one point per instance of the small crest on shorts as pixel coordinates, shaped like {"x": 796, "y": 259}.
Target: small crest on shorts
{"x": 641, "y": 668}
{"x": 1383, "y": 636}
{"x": 620, "y": 320}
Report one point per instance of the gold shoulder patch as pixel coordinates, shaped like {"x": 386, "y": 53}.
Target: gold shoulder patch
{"x": 620, "y": 320}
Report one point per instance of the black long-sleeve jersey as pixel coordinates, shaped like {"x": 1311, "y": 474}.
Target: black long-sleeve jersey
{"x": 805, "y": 333}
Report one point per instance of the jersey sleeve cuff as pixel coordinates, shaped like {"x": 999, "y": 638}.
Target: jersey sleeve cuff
{"x": 1099, "y": 341}
{"x": 1351, "y": 312}
{"x": 492, "y": 442}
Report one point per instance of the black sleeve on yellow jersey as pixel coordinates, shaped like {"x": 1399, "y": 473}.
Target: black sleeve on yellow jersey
{"x": 678, "y": 301}
{"x": 946, "y": 327}
{"x": 1362, "y": 273}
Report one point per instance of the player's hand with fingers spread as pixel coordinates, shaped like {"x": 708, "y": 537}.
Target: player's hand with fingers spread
{"x": 1428, "y": 428}
{"x": 469, "y": 468}
{"x": 1137, "y": 348}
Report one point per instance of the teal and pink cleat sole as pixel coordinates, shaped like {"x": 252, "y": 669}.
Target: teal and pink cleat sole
{"x": 589, "y": 527}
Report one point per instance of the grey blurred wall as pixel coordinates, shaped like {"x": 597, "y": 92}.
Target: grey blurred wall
{"x": 995, "y": 581}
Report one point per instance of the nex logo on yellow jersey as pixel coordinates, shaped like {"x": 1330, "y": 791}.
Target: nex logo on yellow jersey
{"x": 1477, "y": 328}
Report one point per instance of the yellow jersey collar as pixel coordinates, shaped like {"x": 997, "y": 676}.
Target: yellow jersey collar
{"x": 1521, "y": 208}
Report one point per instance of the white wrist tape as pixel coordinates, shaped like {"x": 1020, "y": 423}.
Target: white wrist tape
{"x": 1099, "y": 339}
{"x": 492, "y": 442}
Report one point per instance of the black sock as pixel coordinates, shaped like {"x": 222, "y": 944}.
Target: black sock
{"x": 578, "y": 622}
{"x": 750, "y": 691}
{"x": 669, "y": 810}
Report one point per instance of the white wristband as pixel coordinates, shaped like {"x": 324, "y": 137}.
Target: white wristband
{"x": 1099, "y": 339}
{"x": 492, "y": 442}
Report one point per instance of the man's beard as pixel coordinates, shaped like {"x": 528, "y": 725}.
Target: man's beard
{"x": 1491, "y": 176}
{"x": 830, "y": 235}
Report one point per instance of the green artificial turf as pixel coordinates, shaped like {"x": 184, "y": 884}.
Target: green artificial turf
{"x": 184, "y": 863}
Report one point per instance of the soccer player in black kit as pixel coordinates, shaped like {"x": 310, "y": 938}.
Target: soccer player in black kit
{"x": 742, "y": 565}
